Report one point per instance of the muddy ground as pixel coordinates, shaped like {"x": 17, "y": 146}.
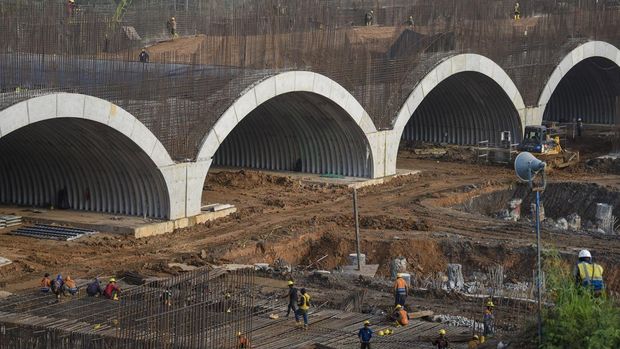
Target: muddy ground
{"x": 413, "y": 216}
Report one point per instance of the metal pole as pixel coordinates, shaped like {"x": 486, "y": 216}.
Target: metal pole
{"x": 539, "y": 276}
{"x": 357, "y": 230}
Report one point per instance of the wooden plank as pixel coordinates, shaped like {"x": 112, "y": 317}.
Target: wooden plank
{"x": 420, "y": 314}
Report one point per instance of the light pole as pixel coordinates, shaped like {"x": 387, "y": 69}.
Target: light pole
{"x": 527, "y": 166}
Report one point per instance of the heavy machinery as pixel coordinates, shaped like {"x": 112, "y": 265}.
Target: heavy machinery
{"x": 544, "y": 143}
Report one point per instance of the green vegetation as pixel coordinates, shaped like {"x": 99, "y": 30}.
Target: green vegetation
{"x": 577, "y": 320}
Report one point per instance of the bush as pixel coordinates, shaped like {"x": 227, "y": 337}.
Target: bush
{"x": 577, "y": 320}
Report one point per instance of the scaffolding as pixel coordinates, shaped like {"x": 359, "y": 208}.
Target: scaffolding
{"x": 197, "y": 309}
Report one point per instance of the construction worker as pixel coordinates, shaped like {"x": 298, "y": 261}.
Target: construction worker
{"x": 93, "y": 289}
{"x": 400, "y": 290}
{"x": 474, "y": 342}
{"x": 112, "y": 291}
{"x": 71, "y": 7}
{"x": 370, "y": 16}
{"x": 70, "y": 286}
{"x": 292, "y": 298}
{"x": 172, "y": 27}
{"x": 589, "y": 275}
{"x": 409, "y": 21}
{"x": 46, "y": 283}
{"x": 579, "y": 127}
{"x": 400, "y": 316}
{"x": 144, "y": 56}
{"x": 57, "y": 285}
{"x": 365, "y": 335}
{"x": 304, "y": 305}
{"x": 442, "y": 341}
{"x": 242, "y": 341}
{"x": 487, "y": 321}
{"x": 517, "y": 12}
{"x": 166, "y": 298}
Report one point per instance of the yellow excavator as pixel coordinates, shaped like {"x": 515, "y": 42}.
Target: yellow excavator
{"x": 544, "y": 143}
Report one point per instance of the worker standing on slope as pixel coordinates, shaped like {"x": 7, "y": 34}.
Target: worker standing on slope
{"x": 488, "y": 321}
{"x": 242, "y": 341}
{"x": 589, "y": 275}
{"x": 517, "y": 12}
{"x": 400, "y": 316}
{"x": 370, "y": 15}
{"x": 365, "y": 335}
{"x": 112, "y": 291}
{"x": 442, "y": 341}
{"x": 171, "y": 25}
{"x": 144, "y": 56}
{"x": 46, "y": 283}
{"x": 292, "y": 298}
{"x": 400, "y": 290}
{"x": 304, "y": 305}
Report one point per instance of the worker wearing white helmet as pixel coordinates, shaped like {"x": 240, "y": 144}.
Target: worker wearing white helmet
{"x": 589, "y": 274}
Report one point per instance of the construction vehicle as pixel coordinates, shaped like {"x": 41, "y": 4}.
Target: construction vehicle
{"x": 544, "y": 143}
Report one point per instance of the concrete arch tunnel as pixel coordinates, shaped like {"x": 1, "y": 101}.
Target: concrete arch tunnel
{"x": 585, "y": 84}
{"x": 465, "y": 99}
{"x": 83, "y": 153}
{"x": 296, "y": 121}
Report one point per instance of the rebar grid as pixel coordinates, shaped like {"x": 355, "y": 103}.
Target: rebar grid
{"x": 230, "y": 45}
{"x": 206, "y": 309}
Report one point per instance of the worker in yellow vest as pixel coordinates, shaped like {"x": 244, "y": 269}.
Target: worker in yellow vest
{"x": 304, "y": 305}
{"x": 588, "y": 274}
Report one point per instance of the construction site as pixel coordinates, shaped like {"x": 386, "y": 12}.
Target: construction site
{"x": 201, "y": 159}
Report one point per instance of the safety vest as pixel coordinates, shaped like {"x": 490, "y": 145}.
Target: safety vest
{"x": 304, "y": 301}
{"x": 404, "y": 320}
{"x": 591, "y": 275}
{"x": 400, "y": 286}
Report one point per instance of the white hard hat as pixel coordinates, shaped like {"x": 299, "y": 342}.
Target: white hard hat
{"x": 584, "y": 254}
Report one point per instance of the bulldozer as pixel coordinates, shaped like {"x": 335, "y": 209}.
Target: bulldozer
{"x": 544, "y": 143}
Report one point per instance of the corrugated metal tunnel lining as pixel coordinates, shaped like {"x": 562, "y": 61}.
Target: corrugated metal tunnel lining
{"x": 588, "y": 91}
{"x": 465, "y": 108}
{"x": 298, "y": 131}
{"x": 101, "y": 169}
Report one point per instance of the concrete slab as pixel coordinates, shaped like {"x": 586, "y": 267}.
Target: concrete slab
{"x": 368, "y": 270}
{"x": 318, "y": 180}
{"x": 4, "y": 261}
{"x": 125, "y": 225}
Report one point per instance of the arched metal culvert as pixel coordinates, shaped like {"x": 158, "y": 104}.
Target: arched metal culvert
{"x": 298, "y": 131}
{"x": 590, "y": 90}
{"x": 465, "y": 108}
{"x": 101, "y": 169}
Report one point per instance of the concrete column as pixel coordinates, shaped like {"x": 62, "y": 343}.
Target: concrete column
{"x": 185, "y": 182}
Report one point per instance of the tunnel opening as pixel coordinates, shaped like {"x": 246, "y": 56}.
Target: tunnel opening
{"x": 80, "y": 164}
{"x": 590, "y": 91}
{"x": 300, "y": 132}
{"x": 464, "y": 109}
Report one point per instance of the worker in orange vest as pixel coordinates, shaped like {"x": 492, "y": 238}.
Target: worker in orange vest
{"x": 400, "y": 316}
{"x": 400, "y": 290}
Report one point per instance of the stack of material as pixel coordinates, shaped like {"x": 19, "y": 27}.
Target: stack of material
{"x": 7, "y": 221}
{"x": 52, "y": 232}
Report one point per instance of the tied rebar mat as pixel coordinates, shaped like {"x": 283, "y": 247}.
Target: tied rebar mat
{"x": 197, "y": 309}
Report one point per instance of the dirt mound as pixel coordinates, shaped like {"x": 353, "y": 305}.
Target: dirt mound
{"x": 604, "y": 165}
{"x": 378, "y": 222}
{"x": 247, "y": 179}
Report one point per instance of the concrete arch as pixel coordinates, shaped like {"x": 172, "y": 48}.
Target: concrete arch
{"x": 105, "y": 158}
{"x": 447, "y": 68}
{"x": 579, "y": 56}
{"x": 292, "y": 89}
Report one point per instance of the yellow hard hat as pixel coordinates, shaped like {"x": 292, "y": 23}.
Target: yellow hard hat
{"x": 112, "y": 280}
{"x": 239, "y": 334}
{"x": 442, "y": 331}
{"x": 366, "y": 322}
{"x": 399, "y": 275}
{"x": 398, "y": 306}
{"x": 490, "y": 304}
{"x": 290, "y": 282}
{"x": 476, "y": 336}
{"x": 380, "y": 333}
